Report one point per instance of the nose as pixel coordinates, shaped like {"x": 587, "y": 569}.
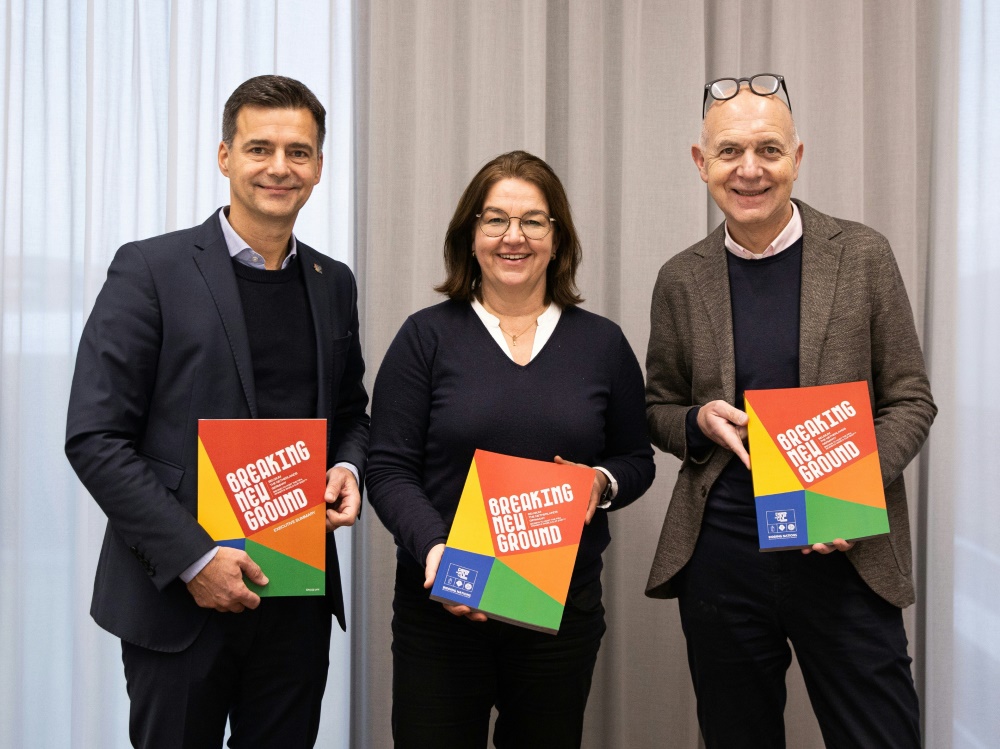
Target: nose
{"x": 278, "y": 164}
{"x": 513, "y": 235}
{"x": 749, "y": 166}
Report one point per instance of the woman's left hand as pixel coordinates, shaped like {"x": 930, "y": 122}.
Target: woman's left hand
{"x": 430, "y": 573}
{"x": 600, "y": 482}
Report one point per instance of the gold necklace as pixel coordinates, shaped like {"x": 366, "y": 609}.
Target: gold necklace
{"x": 514, "y": 336}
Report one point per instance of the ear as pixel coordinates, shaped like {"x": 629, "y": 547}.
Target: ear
{"x": 224, "y": 159}
{"x": 699, "y": 161}
{"x": 798, "y": 160}
{"x": 319, "y": 168}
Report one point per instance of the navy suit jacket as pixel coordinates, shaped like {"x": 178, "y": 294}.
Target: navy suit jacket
{"x": 165, "y": 345}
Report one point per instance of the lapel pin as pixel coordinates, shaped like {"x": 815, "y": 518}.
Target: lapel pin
{"x": 318, "y": 268}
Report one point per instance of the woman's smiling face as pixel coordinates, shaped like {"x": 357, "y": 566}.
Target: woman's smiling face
{"x": 513, "y": 262}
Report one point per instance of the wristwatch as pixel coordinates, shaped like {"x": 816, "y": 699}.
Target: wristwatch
{"x": 610, "y": 489}
{"x": 606, "y": 496}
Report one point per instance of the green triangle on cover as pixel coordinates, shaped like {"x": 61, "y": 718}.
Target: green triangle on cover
{"x": 286, "y": 576}
{"x": 830, "y": 518}
{"x": 509, "y": 596}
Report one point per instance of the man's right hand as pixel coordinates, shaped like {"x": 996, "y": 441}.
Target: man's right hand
{"x": 220, "y": 584}
{"x": 725, "y": 425}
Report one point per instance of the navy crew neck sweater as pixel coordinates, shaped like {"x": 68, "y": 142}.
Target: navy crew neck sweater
{"x": 764, "y": 296}
{"x": 282, "y": 340}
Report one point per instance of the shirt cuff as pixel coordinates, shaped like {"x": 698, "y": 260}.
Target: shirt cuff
{"x": 352, "y": 468}
{"x": 189, "y": 574}
{"x": 614, "y": 488}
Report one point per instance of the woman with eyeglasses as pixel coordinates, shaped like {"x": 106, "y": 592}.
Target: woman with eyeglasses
{"x": 509, "y": 364}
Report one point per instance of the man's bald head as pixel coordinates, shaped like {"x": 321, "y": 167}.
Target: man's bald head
{"x": 746, "y": 96}
{"x": 749, "y": 157}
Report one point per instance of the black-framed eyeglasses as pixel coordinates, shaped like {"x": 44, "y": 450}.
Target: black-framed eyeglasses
{"x": 534, "y": 224}
{"x": 762, "y": 84}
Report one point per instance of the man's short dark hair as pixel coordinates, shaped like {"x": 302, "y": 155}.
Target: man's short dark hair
{"x": 272, "y": 92}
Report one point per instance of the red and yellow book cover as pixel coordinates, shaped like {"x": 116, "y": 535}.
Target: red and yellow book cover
{"x": 513, "y": 543}
{"x": 815, "y": 466}
{"x": 260, "y": 488}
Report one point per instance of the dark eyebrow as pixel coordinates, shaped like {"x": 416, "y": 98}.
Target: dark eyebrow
{"x": 254, "y": 142}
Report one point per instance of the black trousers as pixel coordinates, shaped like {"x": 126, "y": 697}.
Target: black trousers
{"x": 740, "y": 608}
{"x": 448, "y": 672}
{"x": 264, "y": 669}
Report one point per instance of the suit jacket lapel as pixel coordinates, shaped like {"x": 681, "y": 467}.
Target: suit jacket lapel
{"x": 212, "y": 257}
{"x": 820, "y": 268}
{"x": 712, "y": 282}
{"x": 318, "y": 290}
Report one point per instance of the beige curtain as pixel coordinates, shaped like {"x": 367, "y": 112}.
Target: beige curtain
{"x": 610, "y": 94}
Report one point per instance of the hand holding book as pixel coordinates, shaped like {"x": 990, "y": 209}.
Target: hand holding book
{"x": 343, "y": 498}
{"x": 725, "y": 425}
{"x": 838, "y": 544}
{"x": 220, "y": 584}
{"x": 430, "y": 573}
{"x": 600, "y": 483}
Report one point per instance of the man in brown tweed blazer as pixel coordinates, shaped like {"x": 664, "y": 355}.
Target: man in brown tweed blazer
{"x": 781, "y": 295}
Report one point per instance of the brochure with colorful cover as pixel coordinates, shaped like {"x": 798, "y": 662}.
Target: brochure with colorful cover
{"x": 260, "y": 488}
{"x": 815, "y": 467}
{"x": 513, "y": 543}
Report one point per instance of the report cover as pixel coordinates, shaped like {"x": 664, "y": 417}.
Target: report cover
{"x": 513, "y": 543}
{"x": 260, "y": 488}
{"x": 815, "y": 466}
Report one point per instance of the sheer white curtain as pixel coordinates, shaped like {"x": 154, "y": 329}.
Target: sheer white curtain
{"x": 976, "y": 638}
{"x": 109, "y": 124}
{"x": 962, "y": 608}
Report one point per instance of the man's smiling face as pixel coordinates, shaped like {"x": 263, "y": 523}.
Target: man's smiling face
{"x": 272, "y": 164}
{"x": 749, "y": 157}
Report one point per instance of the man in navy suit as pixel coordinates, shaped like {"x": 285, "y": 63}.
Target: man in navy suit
{"x": 233, "y": 319}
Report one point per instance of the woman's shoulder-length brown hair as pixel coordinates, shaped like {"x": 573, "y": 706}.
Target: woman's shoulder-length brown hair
{"x": 463, "y": 272}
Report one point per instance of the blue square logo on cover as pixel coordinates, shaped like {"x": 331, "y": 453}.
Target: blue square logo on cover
{"x": 781, "y": 520}
{"x": 462, "y": 576}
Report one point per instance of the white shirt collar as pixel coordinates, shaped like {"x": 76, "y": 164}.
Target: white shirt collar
{"x": 241, "y": 250}
{"x": 785, "y": 239}
{"x": 546, "y": 325}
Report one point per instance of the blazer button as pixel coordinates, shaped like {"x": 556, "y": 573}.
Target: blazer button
{"x": 704, "y": 491}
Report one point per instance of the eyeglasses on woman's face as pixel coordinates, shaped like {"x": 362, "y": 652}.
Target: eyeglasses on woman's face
{"x": 534, "y": 225}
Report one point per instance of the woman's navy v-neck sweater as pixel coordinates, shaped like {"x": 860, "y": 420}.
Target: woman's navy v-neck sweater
{"x": 445, "y": 388}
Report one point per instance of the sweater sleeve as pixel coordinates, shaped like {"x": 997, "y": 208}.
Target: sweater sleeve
{"x": 627, "y": 453}
{"x": 401, "y": 402}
